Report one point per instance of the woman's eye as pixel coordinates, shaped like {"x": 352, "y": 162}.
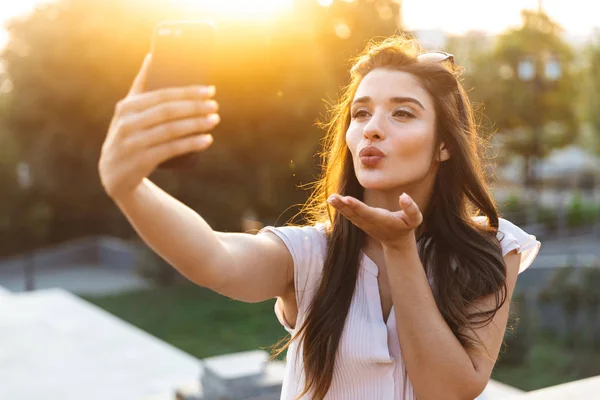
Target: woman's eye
{"x": 402, "y": 114}
{"x": 360, "y": 114}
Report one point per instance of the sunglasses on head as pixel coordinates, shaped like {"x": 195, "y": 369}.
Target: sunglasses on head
{"x": 435, "y": 57}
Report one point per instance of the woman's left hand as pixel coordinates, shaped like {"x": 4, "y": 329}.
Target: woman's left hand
{"x": 390, "y": 228}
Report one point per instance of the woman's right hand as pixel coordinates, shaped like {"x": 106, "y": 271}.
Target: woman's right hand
{"x": 149, "y": 128}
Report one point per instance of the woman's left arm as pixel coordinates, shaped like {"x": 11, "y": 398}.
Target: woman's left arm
{"x": 438, "y": 365}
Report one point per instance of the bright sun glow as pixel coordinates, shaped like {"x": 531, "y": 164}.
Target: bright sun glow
{"x": 248, "y": 10}
{"x": 457, "y": 16}
{"x": 9, "y": 9}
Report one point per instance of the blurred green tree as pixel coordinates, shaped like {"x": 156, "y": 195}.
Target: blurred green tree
{"x": 566, "y": 292}
{"x": 590, "y": 282}
{"x": 8, "y": 157}
{"x": 68, "y": 63}
{"x": 532, "y": 115}
{"x": 591, "y": 92}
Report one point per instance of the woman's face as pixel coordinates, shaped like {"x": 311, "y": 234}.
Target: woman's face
{"x": 391, "y": 113}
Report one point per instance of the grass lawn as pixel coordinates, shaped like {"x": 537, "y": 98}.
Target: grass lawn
{"x": 204, "y": 324}
{"x": 197, "y": 320}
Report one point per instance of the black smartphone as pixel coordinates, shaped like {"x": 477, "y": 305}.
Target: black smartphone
{"x": 182, "y": 55}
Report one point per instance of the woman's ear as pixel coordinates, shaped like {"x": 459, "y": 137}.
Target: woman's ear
{"x": 443, "y": 153}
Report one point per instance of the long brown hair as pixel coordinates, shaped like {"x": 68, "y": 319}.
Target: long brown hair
{"x": 461, "y": 257}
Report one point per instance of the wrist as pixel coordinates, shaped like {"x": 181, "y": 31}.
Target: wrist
{"x": 127, "y": 197}
{"x": 405, "y": 243}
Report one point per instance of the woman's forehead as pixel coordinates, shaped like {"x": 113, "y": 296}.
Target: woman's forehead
{"x": 382, "y": 84}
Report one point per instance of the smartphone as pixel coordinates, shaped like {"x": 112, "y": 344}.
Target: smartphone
{"x": 182, "y": 55}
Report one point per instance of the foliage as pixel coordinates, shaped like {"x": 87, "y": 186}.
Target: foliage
{"x": 591, "y": 82}
{"x": 60, "y": 61}
{"x": 577, "y": 212}
{"x": 549, "y": 363}
{"x": 573, "y": 293}
{"x": 538, "y": 37}
{"x": 548, "y": 359}
{"x": 518, "y": 336}
{"x": 70, "y": 61}
{"x": 518, "y": 110}
{"x": 590, "y": 282}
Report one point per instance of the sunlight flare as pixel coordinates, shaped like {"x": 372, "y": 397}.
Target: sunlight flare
{"x": 255, "y": 10}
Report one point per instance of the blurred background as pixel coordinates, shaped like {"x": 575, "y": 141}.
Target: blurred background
{"x": 531, "y": 68}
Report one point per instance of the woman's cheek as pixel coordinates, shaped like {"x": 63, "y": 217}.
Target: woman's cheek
{"x": 352, "y": 139}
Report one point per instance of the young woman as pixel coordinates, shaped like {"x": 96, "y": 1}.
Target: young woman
{"x": 400, "y": 286}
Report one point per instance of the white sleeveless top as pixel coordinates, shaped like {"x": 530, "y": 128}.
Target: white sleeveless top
{"x": 369, "y": 363}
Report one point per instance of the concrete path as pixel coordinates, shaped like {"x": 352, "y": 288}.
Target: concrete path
{"x": 58, "y": 346}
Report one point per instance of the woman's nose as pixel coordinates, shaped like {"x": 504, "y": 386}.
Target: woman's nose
{"x": 373, "y": 129}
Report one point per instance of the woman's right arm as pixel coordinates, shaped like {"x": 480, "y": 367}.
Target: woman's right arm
{"x": 246, "y": 267}
{"x": 149, "y": 128}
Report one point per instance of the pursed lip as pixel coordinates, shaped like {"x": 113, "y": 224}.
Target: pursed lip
{"x": 371, "y": 151}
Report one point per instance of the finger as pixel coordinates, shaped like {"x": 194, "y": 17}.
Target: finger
{"x": 140, "y": 80}
{"x": 355, "y": 210}
{"x": 176, "y": 148}
{"x": 170, "y": 131}
{"x": 171, "y": 111}
{"x": 144, "y": 101}
{"x": 410, "y": 209}
{"x": 351, "y": 207}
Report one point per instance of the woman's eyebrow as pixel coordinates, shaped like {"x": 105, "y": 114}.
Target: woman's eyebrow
{"x": 367, "y": 99}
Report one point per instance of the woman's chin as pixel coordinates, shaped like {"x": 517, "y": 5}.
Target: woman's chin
{"x": 375, "y": 183}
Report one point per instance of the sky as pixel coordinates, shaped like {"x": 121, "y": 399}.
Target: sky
{"x": 577, "y": 17}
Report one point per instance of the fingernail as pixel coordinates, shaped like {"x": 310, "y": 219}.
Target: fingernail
{"x": 213, "y": 118}
{"x": 204, "y": 91}
{"x": 330, "y": 199}
{"x": 213, "y": 106}
{"x": 405, "y": 199}
{"x": 210, "y": 90}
